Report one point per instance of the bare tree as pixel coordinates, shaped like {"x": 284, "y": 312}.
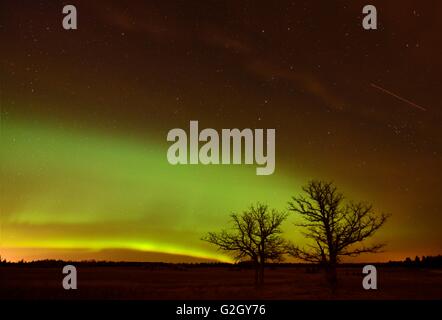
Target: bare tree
{"x": 255, "y": 235}
{"x": 335, "y": 228}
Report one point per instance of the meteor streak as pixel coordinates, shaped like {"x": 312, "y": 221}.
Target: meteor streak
{"x": 398, "y": 97}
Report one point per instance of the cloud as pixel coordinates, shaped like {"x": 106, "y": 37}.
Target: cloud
{"x": 302, "y": 80}
{"x": 266, "y": 68}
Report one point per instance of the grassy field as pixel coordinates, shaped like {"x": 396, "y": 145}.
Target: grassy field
{"x": 190, "y": 282}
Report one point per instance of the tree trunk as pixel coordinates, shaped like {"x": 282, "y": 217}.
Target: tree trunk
{"x": 332, "y": 276}
{"x": 261, "y": 274}
{"x": 256, "y": 274}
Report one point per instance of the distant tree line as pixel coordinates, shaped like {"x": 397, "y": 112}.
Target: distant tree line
{"x": 419, "y": 262}
{"x": 423, "y": 262}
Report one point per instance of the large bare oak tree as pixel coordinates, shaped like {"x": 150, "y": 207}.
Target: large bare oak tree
{"x": 255, "y": 235}
{"x": 334, "y": 227}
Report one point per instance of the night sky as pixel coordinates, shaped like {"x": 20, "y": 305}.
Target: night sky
{"x": 85, "y": 114}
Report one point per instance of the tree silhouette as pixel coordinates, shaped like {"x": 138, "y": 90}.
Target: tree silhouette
{"x": 335, "y": 228}
{"x": 255, "y": 235}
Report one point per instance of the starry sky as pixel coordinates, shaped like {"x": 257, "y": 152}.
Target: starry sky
{"x": 85, "y": 115}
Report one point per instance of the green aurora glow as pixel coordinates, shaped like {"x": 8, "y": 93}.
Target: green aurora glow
{"x": 72, "y": 189}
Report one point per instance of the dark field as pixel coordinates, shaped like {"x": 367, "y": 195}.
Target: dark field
{"x": 190, "y": 282}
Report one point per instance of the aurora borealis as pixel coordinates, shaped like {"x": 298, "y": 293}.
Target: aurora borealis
{"x": 85, "y": 114}
{"x": 115, "y": 193}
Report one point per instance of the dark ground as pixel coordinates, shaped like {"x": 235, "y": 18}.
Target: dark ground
{"x": 191, "y": 282}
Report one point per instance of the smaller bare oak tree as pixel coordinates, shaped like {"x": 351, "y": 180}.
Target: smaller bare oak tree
{"x": 334, "y": 227}
{"x": 255, "y": 235}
